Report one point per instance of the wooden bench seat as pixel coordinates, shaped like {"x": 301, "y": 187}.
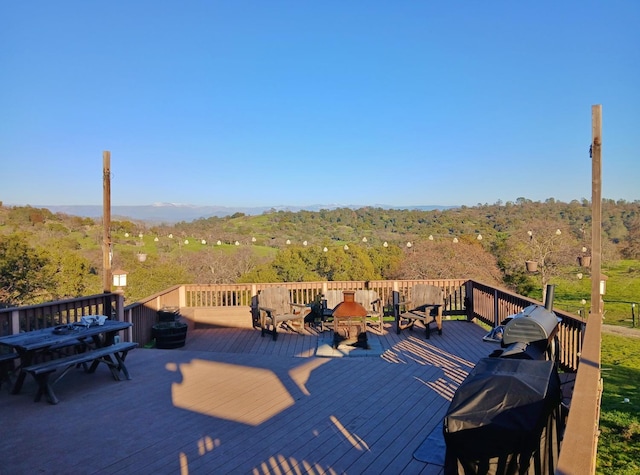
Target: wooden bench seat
{"x": 42, "y": 371}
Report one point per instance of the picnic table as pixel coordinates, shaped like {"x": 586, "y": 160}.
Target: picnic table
{"x": 93, "y": 344}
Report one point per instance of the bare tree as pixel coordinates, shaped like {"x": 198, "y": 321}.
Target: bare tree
{"x": 214, "y": 267}
{"x": 550, "y": 245}
{"x": 448, "y": 260}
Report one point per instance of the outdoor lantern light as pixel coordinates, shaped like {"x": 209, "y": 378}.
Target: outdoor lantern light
{"x": 119, "y": 278}
{"x": 603, "y": 284}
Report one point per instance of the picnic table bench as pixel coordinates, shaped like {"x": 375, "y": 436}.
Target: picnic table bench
{"x": 113, "y": 356}
{"x": 42, "y": 352}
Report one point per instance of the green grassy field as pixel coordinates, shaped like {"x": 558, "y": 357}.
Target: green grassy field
{"x": 619, "y": 444}
{"x": 622, "y": 292}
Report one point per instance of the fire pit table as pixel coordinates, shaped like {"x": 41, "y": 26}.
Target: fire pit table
{"x": 349, "y": 315}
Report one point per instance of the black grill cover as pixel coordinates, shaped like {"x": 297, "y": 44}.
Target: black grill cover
{"x": 504, "y": 419}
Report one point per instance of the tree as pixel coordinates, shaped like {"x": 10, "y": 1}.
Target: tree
{"x": 215, "y": 267}
{"x": 291, "y": 266}
{"x": 631, "y": 246}
{"x": 70, "y": 274}
{"x": 549, "y": 244}
{"x": 23, "y": 275}
{"x": 446, "y": 259}
{"x": 152, "y": 276}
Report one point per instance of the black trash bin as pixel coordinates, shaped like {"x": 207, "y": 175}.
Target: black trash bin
{"x": 169, "y": 335}
{"x": 169, "y": 332}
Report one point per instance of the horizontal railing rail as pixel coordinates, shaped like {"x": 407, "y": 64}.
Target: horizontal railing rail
{"x": 235, "y": 295}
{"x": 59, "y": 312}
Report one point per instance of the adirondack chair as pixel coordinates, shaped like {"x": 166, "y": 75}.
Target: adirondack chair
{"x": 425, "y": 304}
{"x": 275, "y": 308}
{"x": 375, "y": 311}
{"x": 330, "y": 300}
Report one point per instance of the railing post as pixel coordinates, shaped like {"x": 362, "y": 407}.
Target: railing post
{"x": 120, "y": 305}
{"x": 182, "y": 296}
{"x": 395, "y": 301}
{"x": 130, "y": 329}
{"x": 395, "y": 298}
{"x": 15, "y": 322}
{"x": 468, "y": 300}
{"x": 496, "y": 317}
{"x": 255, "y": 313}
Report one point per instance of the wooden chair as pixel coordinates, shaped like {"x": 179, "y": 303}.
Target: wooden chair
{"x": 275, "y": 308}
{"x": 330, "y": 300}
{"x": 375, "y": 310}
{"x": 425, "y": 304}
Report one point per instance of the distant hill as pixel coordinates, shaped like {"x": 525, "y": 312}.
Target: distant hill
{"x": 174, "y": 213}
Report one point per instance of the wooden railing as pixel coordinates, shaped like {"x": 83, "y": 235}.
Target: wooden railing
{"x": 492, "y": 305}
{"x": 477, "y": 301}
{"x": 143, "y": 313}
{"x": 33, "y": 317}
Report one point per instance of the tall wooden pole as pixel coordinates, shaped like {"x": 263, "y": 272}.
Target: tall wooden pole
{"x": 578, "y": 453}
{"x": 106, "y": 221}
{"x": 596, "y": 210}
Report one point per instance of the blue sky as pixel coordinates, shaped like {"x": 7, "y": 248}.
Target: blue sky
{"x": 267, "y": 103}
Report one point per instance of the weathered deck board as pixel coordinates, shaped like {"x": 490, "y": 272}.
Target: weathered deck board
{"x": 233, "y": 402}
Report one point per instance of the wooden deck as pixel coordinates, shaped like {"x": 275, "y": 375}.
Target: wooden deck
{"x": 233, "y": 402}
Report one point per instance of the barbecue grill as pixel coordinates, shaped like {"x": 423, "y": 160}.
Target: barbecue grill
{"x": 533, "y": 323}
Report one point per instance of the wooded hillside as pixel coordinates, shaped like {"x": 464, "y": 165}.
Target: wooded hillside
{"x": 45, "y": 256}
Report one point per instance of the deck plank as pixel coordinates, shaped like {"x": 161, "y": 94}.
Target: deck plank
{"x": 203, "y": 408}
